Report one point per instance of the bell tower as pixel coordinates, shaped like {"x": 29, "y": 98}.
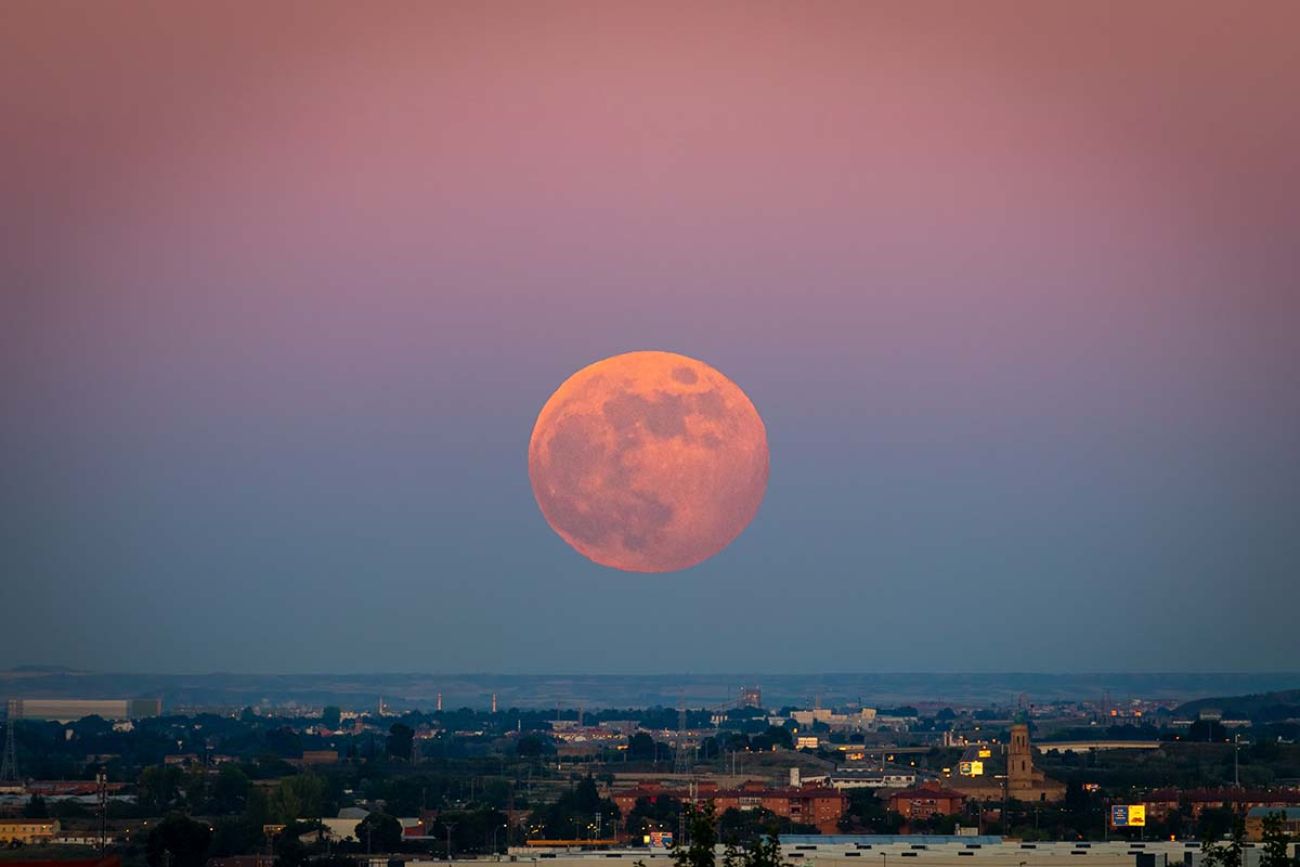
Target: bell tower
{"x": 1020, "y": 758}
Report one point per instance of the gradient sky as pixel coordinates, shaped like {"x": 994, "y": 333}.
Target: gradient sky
{"x": 1013, "y": 285}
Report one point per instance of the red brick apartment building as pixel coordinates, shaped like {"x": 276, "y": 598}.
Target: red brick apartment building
{"x": 925, "y": 801}
{"x": 817, "y": 806}
{"x": 1162, "y": 802}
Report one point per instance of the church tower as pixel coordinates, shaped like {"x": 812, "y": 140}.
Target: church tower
{"x": 1020, "y": 759}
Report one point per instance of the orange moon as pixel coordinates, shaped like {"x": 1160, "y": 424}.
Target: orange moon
{"x": 648, "y": 461}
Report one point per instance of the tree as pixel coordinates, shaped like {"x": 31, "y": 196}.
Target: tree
{"x": 868, "y": 814}
{"x": 1229, "y": 854}
{"x": 234, "y": 837}
{"x": 774, "y": 736}
{"x": 284, "y": 742}
{"x": 1214, "y": 822}
{"x": 298, "y": 797}
{"x": 1236, "y": 849}
{"x": 573, "y": 811}
{"x": 471, "y": 830}
{"x": 763, "y": 851}
{"x": 36, "y": 809}
{"x": 702, "y": 837}
{"x": 742, "y": 827}
{"x": 1275, "y": 842}
{"x": 936, "y": 823}
{"x": 649, "y": 814}
{"x": 229, "y": 791}
{"x": 641, "y": 747}
{"x": 379, "y": 832}
{"x": 330, "y": 717}
{"x": 178, "y": 841}
{"x": 159, "y": 788}
{"x": 290, "y": 851}
{"x": 401, "y": 739}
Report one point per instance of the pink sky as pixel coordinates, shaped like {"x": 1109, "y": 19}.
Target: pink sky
{"x": 1019, "y": 277}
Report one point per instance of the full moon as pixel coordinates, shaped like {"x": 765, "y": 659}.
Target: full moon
{"x": 648, "y": 461}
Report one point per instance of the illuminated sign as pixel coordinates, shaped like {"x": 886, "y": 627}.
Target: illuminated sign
{"x": 1128, "y": 815}
{"x": 985, "y": 754}
{"x": 971, "y": 769}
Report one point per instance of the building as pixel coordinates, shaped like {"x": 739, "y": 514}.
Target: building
{"x": 67, "y": 710}
{"x": 1255, "y": 822}
{"x": 344, "y": 829}
{"x": 821, "y": 808}
{"x": 864, "y": 720}
{"x": 70, "y": 788}
{"x": 1162, "y": 802}
{"x": 810, "y": 805}
{"x": 927, "y": 800}
{"x": 866, "y": 778}
{"x": 1022, "y": 781}
{"x": 28, "y": 831}
{"x": 751, "y": 696}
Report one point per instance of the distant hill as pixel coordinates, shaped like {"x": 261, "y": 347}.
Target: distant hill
{"x": 594, "y": 691}
{"x": 1258, "y": 707}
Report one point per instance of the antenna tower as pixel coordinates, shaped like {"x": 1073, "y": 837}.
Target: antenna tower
{"x": 9, "y": 764}
{"x": 681, "y": 756}
{"x": 101, "y": 790}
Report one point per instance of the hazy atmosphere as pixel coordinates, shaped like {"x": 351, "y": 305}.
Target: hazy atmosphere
{"x": 1012, "y": 287}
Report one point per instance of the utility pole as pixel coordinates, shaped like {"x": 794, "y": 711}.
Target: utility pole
{"x": 681, "y": 760}
{"x": 449, "y": 826}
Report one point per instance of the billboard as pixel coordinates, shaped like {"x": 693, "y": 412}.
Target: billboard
{"x": 985, "y": 754}
{"x": 971, "y": 769}
{"x": 1128, "y": 815}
